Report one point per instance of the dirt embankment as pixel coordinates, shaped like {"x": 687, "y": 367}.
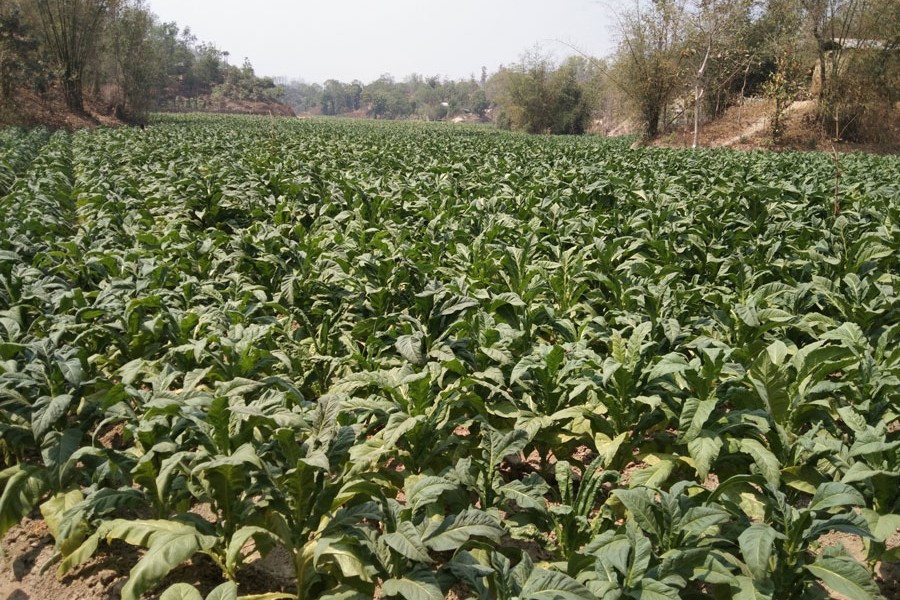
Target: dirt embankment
{"x": 29, "y": 109}
{"x": 748, "y": 126}
{"x": 231, "y": 107}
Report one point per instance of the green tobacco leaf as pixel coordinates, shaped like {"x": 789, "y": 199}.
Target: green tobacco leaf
{"x": 181, "y": 591}
{"x": 501, "y": 445}
{"x": 553, "y": 585}
{"x": 881, "y": 526}
{"x": 57, "y": 449}
{"x": 419, "y": 584}
{"x": 834, "y": 494}
{"x": 47, "y": 412}
{"x": 745, "y": 588}
{"x": 804, "y": 478}
{"x": 814, "y": 364}
{"x": 168, "y": 551}
{"x": 651, "y": 589}
{"x": 234, "y": 554}
{"x": 225, "y": 591}
{"x": 766, "y": 462}
{"x": 610, "y": 550}
{"x": 345, "y": 554}
{"x": 850, "y": 522}
{"x": 639, "y": 502}
{"x": 24, "y": 487}
{"x": 846, "y": 577}
{"x": 641, "y": 554}
{"x": 80, "y": 555}
{"x": 608, "y": 448}
{"x": 771, "y": 383}
{"x": 71, "y": 371}
{"x": 460, "y": 304}
{"x": 54, "y": 510}
{"x": 525, "y": 496}
{"x": 169, "y": 544}
{"x": 653, "y": 476}
{"x": 426, "y": 490}
{"x": 410, "y": 348}
{"x": 407, "y": 541}
{"x": 672, "y": 330}
{"x": 757, "y": 545}
{"x": 668, "y": 364}
{"x": 694, "y": 415}
{"x": 747, "y": 314}
{"x": 700, "y": 518}
{"x": 456, "y": 530}
{"x": 704, "y": 450}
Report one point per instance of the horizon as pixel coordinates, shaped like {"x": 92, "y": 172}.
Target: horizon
{"x": 358, "y": 40}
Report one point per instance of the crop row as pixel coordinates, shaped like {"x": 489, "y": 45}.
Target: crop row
{"x": 419, "y": 358}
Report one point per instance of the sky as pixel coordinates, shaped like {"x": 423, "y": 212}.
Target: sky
{"x": 363, "y": 39}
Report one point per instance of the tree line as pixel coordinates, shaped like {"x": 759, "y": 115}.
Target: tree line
{"x": 416, "y": 96}
{"x": 534, "y": 95}
{"x": 678, "y": 64}
{"x": 689, "y": 60}
{"x": 116, "y": 51}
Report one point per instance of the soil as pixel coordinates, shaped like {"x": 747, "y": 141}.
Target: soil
{"x": 29, "y": 546}
{"x": 30, "y": 109}
{"x": 887, "y": 574}
{"x": 747, "y": 127}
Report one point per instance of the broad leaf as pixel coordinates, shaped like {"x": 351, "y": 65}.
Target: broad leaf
{"x": 846, "y": 577}
{"x": 457, "y": 529}
{"x": 757, "y": 544}
{"x": 553, "y": 585}
{"x": 418, "y": 584}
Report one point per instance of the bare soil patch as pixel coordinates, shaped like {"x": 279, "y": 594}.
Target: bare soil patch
{"x": 26, "y": 575}
{"x": 747, "y": 126}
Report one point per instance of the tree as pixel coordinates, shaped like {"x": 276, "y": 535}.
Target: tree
{"x": 571, "y": 111}
{"x": 387, "y": 98}
{"x": 538, "y": 96}
{"x": 718, "y": 50}
{"x": 17, "y": 49}
{"x": 854, "y": 42}
{"x": 139, "y": 69}
{"x": 652, "y": 53}
{"x": 70, "y": 31}
{"x": 301, "y": 96}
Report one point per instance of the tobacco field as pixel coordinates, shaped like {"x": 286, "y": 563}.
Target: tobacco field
{"x": 421, "y": 359}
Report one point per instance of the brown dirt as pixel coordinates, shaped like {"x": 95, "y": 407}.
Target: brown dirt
{"x": 887, "y": 574}
{"x": 629, "y": 470}
{"x": 711, "y": 482}
{"x": 243, "y": 107}
{"x": 534, "y": 549}
{"x": 29, "y": 109}
{"x": 746, "y": 127}
{"x": 29, "y": 546}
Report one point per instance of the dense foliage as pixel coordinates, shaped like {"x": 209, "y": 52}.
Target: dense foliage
{"x": 419, "y": 358}
{"x": 119, "y": 53}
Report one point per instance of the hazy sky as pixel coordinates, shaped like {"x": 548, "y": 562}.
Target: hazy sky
{"x": 361, "y": 39}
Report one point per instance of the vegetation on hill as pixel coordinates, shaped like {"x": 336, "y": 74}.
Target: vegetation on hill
{"x": 117, "y": 56}
{"x": 681, "y": 62}
{"x": 679, "y": 65}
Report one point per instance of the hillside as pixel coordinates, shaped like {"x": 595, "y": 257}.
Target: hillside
{"x": 32, "y": 110}
{"x": 747, "y": 126}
